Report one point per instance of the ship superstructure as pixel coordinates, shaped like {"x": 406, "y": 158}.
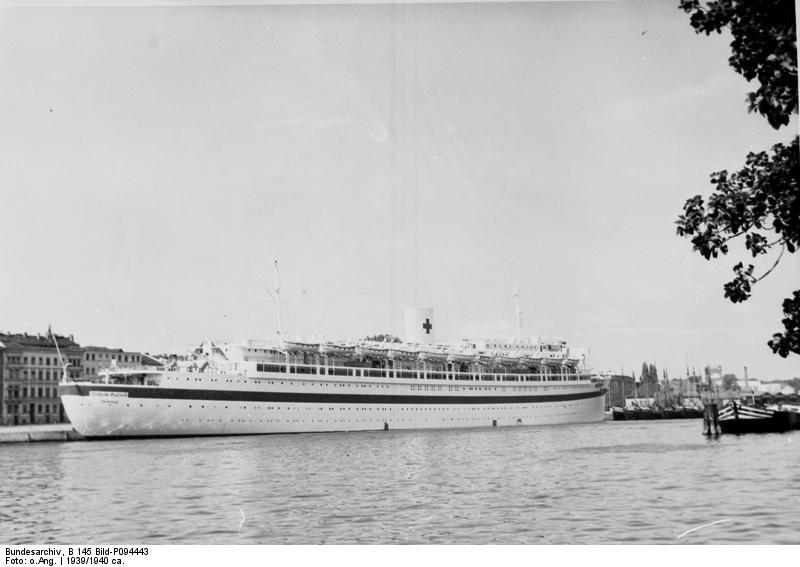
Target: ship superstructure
{"x": 257, "y": 387}
{"x": 282, "y": 386}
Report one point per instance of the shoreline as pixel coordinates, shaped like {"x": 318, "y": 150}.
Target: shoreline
{"x": 38, "y": 433}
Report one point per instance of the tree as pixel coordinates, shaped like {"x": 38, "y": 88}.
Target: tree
{"x": 729, "y": 382}
{"x": 761, "y": 201}
{"x": 795, "y": 384}
{"x": 649, "y": 374}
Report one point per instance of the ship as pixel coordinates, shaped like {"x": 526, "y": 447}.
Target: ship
{"x": 256, "y": 387}
{"x": 262, "y": 387}
{"x": 738, "y": 418}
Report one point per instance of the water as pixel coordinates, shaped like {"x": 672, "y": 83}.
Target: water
{"x": 613, "y": 482}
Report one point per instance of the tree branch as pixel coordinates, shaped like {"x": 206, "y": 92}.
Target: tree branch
{"x": 783, "y": 248}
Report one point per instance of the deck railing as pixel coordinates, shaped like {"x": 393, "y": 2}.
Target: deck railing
{"x": 392, "y": 373}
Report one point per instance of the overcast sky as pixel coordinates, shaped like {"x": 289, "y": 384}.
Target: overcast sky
{"x": 154, "y": 159}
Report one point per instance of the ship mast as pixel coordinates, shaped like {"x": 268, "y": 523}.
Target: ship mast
{"x": 516, "y": 302}
{"x": 278, "y": 299}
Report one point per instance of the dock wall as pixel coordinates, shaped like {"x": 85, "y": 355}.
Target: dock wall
{"x": 36, "y": 433}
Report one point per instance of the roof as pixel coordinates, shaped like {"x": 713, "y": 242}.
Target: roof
{"x": 24, "y": 339}
{"x": 107, "y": 349}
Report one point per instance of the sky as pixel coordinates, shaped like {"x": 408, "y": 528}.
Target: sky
{"x": 155, "y": 159}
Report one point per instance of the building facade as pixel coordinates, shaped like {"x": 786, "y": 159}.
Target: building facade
{"x": 29, "y": 375}
{"x": 96, "y": 359}
{"x": 619, "y": 389}
{"x": 714, "y": 374}
{"x": 682, "y": 388}
{"x": 773, "y": 387}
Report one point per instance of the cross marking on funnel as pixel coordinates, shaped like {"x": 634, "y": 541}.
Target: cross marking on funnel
{"x": 427, "y": 326}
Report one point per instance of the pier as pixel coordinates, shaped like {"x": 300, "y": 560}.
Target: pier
{"x": 35, "y": 433}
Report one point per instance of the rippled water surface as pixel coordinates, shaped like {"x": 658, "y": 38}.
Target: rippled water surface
{"x": 613, "y": 482}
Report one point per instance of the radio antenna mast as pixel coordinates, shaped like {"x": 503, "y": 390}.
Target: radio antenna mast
{"x": 277, "y": 298}
{"x": 516, "y": 302}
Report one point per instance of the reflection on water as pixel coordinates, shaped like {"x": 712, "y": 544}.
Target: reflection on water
{"x": 623, "y": 482}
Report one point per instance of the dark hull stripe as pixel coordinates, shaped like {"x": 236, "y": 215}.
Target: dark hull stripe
{"x": 306, "y": 398}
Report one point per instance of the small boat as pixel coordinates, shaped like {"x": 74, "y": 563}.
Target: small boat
{"x": 649, "y": 413}
{"x": 618, "y": 414}
{"x": 690, "y": 413}
{"x": 738, "y": 418}
{"x": 670, "y": 413}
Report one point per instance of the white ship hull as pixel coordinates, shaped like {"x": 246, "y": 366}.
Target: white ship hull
{"x": 193, "y": 404}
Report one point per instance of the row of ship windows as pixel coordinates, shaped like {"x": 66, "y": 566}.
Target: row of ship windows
{"x": 379, "y": 421}
{"x": 479, "y": 388}
{"x": 413, "y": 408}
{"x": 389, "y": 373}
{"x": 413, "y": 387}
{"x": 293, "y": 383}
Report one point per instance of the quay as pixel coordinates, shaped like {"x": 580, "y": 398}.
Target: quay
{"x": 34, "y": 433}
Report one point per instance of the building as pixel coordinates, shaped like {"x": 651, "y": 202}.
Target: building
{"x": 773, "y": 387}
{"x": 682, "y": 388}
{"x": 29, "y": 375}
{"x": 97, "y": 359}
{"x": 619, "y": 389}
{"x": 714, "y": 374}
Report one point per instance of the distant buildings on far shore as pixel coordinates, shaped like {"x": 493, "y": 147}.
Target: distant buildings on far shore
{"x": 30, "y": 372}
{"x": 622, "y": 388}
{"x": 713, "y": 384}
{"x": 97, "y": 358}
